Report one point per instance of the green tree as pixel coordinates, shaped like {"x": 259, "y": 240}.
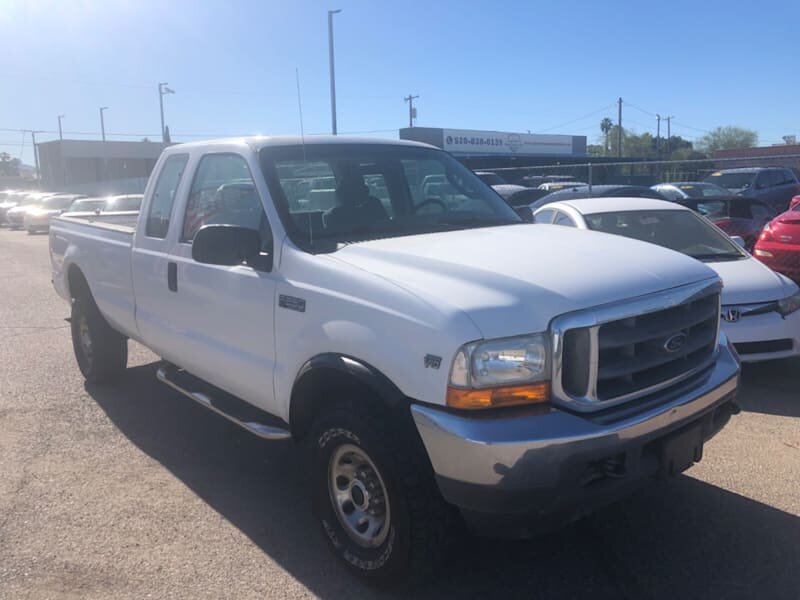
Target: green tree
{"x": 728, "y": 137}
{"x": 8, "y": 166}
{"x": 606, "y": 125}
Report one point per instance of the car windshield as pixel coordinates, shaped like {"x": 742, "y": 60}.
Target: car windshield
{"x": 490, "y": 178}
{"x": 86, "y": 205}
{"x": 124, "y": 203}
{"x": 57, "y": 202}
{"x": 680, "y": 230}
{"x": 329, "y": 194}
{"x": 701, "y": 190}
{"x": 732, "y": 180}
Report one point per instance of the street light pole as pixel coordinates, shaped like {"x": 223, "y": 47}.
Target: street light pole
{"x": 333, "y": 75}
{"x": 36, "y": 153}
{"x": 60, "y": 134}
{"x": 102, "y": 123}
{"x": 162, "y": 91}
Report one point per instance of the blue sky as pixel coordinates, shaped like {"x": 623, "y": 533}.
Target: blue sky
{"x": 553, "y": 66}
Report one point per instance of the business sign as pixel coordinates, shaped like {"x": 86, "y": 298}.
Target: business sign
{"x": 468, "y": 141}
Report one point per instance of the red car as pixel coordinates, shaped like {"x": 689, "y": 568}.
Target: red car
{"x": 778, "y": 247}
{"x": 794, "y": 202}
{"x": 735, "y": 215}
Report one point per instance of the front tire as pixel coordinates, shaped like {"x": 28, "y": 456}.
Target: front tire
{"x": 377, "y": 502}
{"x": 101, "y": 352}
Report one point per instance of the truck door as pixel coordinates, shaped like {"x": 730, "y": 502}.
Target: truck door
{"x": 224, "y": 315}
{"x": 149, "y": 259}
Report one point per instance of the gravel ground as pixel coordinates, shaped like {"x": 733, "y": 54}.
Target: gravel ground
{"x": 135, "y": 492}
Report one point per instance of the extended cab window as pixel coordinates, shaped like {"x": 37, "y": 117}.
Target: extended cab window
{"x": 158, "y": 214}
{"x": 223, "y": 193}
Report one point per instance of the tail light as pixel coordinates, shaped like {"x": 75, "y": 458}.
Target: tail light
{"x": 766, "y": 234}
{"x": 794, "y": 202}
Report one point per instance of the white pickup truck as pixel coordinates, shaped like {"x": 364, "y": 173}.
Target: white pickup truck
{"x": 446, "y": 361}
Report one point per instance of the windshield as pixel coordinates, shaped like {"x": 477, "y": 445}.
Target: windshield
{"x": 86, "y": 205}
{"x": 680, "y": 230}
{"x": 328, "y": 194}
{"x": 58, "y": 202}
{"x": 731, "y": 180}
{"x": 124, "y": 203}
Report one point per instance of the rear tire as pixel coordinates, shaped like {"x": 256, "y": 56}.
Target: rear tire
{"x": 101, "y": 352}
{"x": 376, "y": 498}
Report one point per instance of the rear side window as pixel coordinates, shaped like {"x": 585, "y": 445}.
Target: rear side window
{"x": 564, "y": 219}
{"x": 788, "y": 177}
{"x": 158, "y": 214}
{"x": 776, "y": 177}
{"x": 223, "y": 193}
{"x": 544, "y": 216}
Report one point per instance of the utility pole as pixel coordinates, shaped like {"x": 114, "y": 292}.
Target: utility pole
{"x": 619, "y": 128}
{"x": 60, "y": 134}
{"x": 162, "y": 91}
{"x": 103, "y": 123}
{"x": 669, "y": 136}
{"x": 333, "y": 75}
{"x": 35, "y": 153}
{"x": 658, "y": 137}
{"x": 412, "y": 112}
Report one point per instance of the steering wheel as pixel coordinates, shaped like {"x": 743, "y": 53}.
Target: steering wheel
{"x": 430, "y": 201}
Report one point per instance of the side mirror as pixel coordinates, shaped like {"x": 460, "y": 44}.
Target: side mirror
{"x": 738, "y": 240}
{"x": 525, "y": 213}
{"x": 227, "y": 245}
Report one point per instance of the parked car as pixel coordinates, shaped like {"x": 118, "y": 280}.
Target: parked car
{"x": 37, "y": 218}
{"x": 779, "y": 244}
{"x": 498, "y": 184}
{"x": 553, "y": 186}
{"x": 774, "y": 185}
{"x": 682, "y": 190}
{"x": 16, "y": 216}
{"x": 9, "y": 199}
{"x": 735, "y": 215}
{"x": 435, "y": 358}
{"x": 599, "y": 191}
{"x": 760, "y": 308}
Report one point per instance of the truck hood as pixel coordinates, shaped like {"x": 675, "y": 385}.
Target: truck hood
{"x": 748, "y": 281}
{"x": 515, "y": 279}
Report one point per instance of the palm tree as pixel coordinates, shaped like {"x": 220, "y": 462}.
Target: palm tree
{"x": 606, "y": 125}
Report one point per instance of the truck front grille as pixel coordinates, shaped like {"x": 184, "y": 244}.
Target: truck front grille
{"x": 618, "y": 353}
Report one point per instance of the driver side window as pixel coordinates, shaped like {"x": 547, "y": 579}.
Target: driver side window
{"x": 223, "y": 193}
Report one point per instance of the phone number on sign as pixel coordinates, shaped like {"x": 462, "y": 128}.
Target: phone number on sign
{"x": 474, "y": 141}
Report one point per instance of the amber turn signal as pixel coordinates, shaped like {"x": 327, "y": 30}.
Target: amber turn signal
{"x": 512, "y": 395}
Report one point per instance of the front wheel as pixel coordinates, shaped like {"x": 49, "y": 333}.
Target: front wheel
{"x": 101, "y": 352}
{"x": 378, "y": 506}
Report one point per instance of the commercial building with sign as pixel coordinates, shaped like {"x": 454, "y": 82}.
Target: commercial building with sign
{"x": 472, "y": 143}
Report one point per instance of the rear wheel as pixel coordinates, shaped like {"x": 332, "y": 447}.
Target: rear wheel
{"x": 378, "y": 504}
{"x": 101, "y": 352}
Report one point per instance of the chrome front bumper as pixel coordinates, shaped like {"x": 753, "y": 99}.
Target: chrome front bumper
{"x": 533, "y": 461}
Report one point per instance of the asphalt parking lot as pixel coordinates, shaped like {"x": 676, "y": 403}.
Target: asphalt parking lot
{"x": 133, "y": 491}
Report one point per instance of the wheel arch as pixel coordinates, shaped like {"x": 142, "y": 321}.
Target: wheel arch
{"x": 77, "y": 283}
{"x": 330, "y": 373}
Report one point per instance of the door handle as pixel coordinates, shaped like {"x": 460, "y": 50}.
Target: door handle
{"x": 172, "y": 276}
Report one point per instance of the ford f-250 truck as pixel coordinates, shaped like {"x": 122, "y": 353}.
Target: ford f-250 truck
{"x": 379, "y": 301}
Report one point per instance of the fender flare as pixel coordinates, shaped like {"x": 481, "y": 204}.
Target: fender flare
{"x": 304, "y": 402}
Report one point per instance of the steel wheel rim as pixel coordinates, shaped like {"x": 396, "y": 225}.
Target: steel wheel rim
{"x": 85, "y": 337}
{"x": 358, "y": 496}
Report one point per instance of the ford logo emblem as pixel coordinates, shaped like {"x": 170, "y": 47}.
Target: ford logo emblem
{"x": 675, "y": 342}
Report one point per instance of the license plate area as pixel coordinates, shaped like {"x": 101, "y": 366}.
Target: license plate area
{"x": 680, "y": 450}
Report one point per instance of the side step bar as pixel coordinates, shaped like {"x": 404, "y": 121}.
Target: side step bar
{"x": 166, "y": 374}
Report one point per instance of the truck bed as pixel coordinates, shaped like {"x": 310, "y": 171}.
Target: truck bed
{"x": 101, "y": 244}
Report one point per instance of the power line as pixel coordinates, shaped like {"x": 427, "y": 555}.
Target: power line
{"x": 647, "y": 112}
{"x": 586, "y": 116}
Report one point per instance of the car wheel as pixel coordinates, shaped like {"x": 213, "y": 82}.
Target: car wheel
{"x": 101, "y": 352}
{"x": 378, "y": 505}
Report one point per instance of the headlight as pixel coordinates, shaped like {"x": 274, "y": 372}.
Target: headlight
{"x": 789, "y": 305}
{"x": 501, "y": 372}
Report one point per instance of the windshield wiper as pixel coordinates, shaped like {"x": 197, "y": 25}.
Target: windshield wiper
{"x": 472, "y": 221}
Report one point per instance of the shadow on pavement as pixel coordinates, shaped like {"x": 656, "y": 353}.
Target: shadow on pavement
{"x": 677, "y": 539}
{"x": 782, "y": 377}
